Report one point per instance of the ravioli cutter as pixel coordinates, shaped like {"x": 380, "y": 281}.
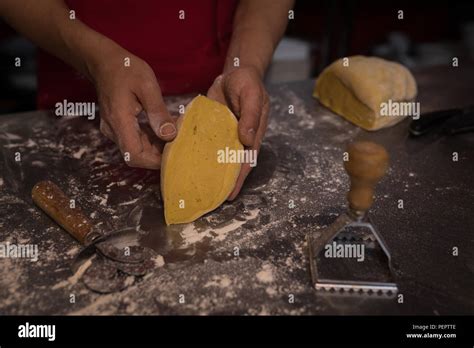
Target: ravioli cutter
{"x": 335, "y": 265}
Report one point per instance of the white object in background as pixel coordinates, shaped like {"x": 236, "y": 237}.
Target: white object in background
{"x": 291, "y": 61}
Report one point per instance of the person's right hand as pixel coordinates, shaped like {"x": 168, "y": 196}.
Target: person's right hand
{"x": 124, "y": 92}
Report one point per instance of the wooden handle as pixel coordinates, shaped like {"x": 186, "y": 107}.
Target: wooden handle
{"x": 56, "y": 204}
{"x": 366, "y": 165}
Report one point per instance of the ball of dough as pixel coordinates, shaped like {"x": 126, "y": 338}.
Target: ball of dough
{"x": 356, "y": 87}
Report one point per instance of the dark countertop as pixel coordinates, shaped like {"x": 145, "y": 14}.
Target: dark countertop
{"x": 301, "y": 160}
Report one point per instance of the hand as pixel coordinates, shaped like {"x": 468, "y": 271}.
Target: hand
{"x": 123, "y": 93}
{"x": 242, "y": 90}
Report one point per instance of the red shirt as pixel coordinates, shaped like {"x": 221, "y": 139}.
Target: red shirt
{"x": 186, "y": 55}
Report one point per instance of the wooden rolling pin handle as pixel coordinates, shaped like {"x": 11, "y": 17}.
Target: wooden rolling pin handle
{"x": 366, "y": 165}
{"x": 54, "y": 202}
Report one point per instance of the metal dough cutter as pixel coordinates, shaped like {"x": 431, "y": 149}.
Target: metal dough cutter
{"x": 350, "y": 256}
{"x": 116, "y": 254}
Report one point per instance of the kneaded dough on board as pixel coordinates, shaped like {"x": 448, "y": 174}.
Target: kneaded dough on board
{"x": 356, "y": 91}
{"x": 193, "y": 182}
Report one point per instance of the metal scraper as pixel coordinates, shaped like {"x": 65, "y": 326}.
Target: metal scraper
{"x": 335, "y": 265}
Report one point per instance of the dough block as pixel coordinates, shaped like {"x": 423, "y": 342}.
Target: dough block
{"x": 357, "y": 90}
{"x": 193, "y": 182}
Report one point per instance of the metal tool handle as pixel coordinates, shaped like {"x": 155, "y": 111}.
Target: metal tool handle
{"x": 431, "y": 120}
{"x": 366, "y": 165}
{"x": 54, "y": 202}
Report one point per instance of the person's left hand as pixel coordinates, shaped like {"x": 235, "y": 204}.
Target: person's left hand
{"x": 242, "y": 90}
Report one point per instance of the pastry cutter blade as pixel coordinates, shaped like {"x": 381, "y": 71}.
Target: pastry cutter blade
{"x": 366, "y": 165}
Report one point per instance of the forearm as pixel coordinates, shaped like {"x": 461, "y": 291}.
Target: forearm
{"x": 258, "y": 27}
{"x": 48, "y": 24}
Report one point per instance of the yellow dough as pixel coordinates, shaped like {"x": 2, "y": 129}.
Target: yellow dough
{"x": 357, "y": 91}
{"x": 193, "y": 181}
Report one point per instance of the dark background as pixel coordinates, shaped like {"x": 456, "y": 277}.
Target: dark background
{"x": 431, "y": 33}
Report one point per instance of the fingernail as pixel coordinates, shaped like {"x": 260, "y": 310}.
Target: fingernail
{"x": 167, "y": 129}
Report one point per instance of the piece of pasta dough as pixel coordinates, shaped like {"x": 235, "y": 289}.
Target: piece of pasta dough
{"x": 193, "y": 180}
{"x": 356, "y": 87}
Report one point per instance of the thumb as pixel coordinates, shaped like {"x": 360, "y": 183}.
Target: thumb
{"x": 160, "y": 119}
{"x": 251, "y": 104}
